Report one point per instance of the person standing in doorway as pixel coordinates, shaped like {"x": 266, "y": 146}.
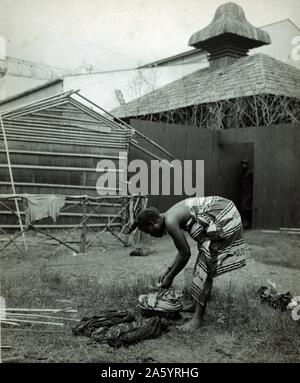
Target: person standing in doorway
{"x": 246, "y": 194}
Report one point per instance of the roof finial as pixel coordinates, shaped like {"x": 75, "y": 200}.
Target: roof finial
{"x": 229, "y": 36}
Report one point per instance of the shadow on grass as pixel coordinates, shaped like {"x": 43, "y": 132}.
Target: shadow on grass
{"x": 275, "y": 249}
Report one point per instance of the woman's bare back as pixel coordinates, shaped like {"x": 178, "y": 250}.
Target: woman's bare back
{"x": 179, "y": 213}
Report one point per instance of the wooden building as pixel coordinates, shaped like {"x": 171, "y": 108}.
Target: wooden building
{"x": 54, "y": 145}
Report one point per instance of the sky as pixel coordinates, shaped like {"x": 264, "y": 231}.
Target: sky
{"x": 116, "y": 34}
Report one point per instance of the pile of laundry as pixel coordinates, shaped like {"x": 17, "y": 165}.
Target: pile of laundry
{"x": 125, "y": 327}
{"x": 119, "y": 327}
{"x": 274, "y": 299}
{"x": 168, "y": 302}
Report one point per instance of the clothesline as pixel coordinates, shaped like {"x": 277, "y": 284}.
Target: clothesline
{"x": 79, "y": 197}
{"x": 37, "y": 210}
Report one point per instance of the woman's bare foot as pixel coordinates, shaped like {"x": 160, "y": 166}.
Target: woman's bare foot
{"x": 189, "y": 307}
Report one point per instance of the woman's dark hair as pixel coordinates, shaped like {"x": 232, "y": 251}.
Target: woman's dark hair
{"x": 144, "y": 218}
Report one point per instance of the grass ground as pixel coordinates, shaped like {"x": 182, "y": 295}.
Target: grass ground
{"x": 238, "y": 328}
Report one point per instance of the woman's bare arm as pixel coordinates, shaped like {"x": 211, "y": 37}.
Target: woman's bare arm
{"x": 182, "y": 246}
{"x": 169, "y": 268}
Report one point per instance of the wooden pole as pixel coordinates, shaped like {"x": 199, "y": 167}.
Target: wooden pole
{"x": 11, "y": 240}
{"x": 129, "y": 127}
{"x": 289, "y": 229}
{"x": 38, "y": 322}
{"x": 32, "y": 330}
{"x": 40, "y": 231}
{"x": 84, "y": 227}
{"x": 10, "y": 316}
{"x": 13, "y": 359}
{"x": 139, "y": 147}
{"x": 131, "y": 220}
{"x": 43, "y": 101}
{"x": 65, "y": 310}
{"x": 12, "y": 183}
{"x": 131, "y": 213}
{"x": 108, "y": 225}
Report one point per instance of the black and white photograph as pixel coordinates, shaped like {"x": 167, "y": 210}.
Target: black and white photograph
{"x": 149, "y": 184}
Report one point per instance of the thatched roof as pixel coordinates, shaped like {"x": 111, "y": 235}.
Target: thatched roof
{"x": 250, "y": 75}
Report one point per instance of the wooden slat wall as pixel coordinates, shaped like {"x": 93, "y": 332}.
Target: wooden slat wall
{"x": 273, "y": 150}
{"x": 276, "y": 169}
{"x": 54, "y": 156}
{"x": 47, "y": 146}
{"x": 185, "y": 143}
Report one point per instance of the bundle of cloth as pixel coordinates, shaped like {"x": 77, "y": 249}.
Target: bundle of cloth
{"x": 119, "y": 328}
{"x": 141, "y": 252}
{"x": 274, "y": 299}
{"x": 168, "y": 301}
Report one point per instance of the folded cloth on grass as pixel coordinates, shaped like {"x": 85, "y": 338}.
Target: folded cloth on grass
{"x": 164, "y": 301}
{"x": 118, "y": 328}
{"x": 125, "y": 334}
{"x": 106, "y": 318}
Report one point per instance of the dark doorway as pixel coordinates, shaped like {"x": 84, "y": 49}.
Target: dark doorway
{"x": 229, "y": 183}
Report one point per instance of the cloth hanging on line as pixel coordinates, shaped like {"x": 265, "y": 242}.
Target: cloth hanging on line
{"x": 39, "y": 206}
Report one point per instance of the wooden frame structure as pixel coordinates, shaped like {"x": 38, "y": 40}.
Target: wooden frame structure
{"x": 127, "y": 205}
{"x": 54, "y": 148}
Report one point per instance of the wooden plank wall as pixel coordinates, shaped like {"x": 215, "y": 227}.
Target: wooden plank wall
{"x": 276, "y": 170}
{"x": 274, "y": 152}
{"x": 185, "y": 143}
{"x": 80, "y": 180}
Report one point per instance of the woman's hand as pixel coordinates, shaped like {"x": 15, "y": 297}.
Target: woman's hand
{"x": 166, "y": 282}
{"x": 161, "y": 277}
